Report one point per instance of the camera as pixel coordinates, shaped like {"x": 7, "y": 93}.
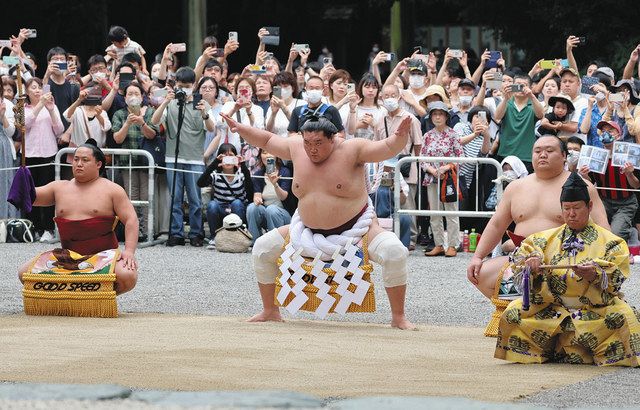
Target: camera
{"x": 387, "y": 179}
{"x": 517, "y": 88}
{"x": 391, "y": 56}
{"x": 582, "y": 40}
{"x": 181, "y": 96}
{"x": 270, "y": 166}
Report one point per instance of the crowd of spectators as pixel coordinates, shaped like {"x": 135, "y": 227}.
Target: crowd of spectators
{"x": 122, "y": 98}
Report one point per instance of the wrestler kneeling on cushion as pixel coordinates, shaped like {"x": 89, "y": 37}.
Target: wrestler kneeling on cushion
{"x": 87, "y": 210}
{"x": 329, "y": 181}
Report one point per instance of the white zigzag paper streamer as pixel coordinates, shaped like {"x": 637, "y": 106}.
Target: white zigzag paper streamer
{"x": 289, "y": 250}
{"x": 298, "y": 289}
{"x": 347, "y": 297}
{"x": 323, "y": 289}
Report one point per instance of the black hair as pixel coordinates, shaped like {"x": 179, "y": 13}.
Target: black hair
{"x": 97, "y": 153}
{"x": 213, "y": 63}
{"x": 186, "y": 75}
{"x": 96, "y": 59}
{"x": 603, "y": 78}
{"x": 575, "y": 140}
{"x": 139, "y": 87}
{"x": 523, "y": 77}
{"x": 125, "y": 64}
{"x": 597, "y": 63}
{"x": 209, "y": 41}
{"x": 509, "y": 73}
{"x": 55, "y": 51}
{"x": 226, "y": 147}
{"x": 475, "y": 110}
{"x": 205, "y": 79}
{"x": 31, "y": 56}
{"x": 286, "y": 78}
{"x": 314, "y": 124}
{"x": 132, "y": 58}
{"x": 561, "y": 143}
{"x": 368, "y": 79}
{"x": 117, "y": 33}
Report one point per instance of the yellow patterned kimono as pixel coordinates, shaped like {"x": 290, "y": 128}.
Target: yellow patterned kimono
{"x": 572, "y": 320}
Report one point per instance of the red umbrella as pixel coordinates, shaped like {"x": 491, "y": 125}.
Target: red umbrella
{"x": 23, "y": 190}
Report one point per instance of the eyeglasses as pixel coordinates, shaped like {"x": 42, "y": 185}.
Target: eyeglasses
{"x": 207, "y": 88}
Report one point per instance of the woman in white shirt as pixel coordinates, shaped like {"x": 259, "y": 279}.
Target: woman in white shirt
{"x": 279, "y": 113}
{"x": 364, "y": 111}
{"x": 339, "y": 92}
{"x": 87, "y": 121}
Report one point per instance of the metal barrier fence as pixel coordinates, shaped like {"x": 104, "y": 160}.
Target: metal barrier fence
{"x": 438, "y": 212}
{"x": 151, "y": 181}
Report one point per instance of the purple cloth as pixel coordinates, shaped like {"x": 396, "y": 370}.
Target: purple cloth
{"x": 23, "y": 191}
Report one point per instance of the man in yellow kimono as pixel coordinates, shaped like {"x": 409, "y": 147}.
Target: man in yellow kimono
{"x": 571, "y": 314}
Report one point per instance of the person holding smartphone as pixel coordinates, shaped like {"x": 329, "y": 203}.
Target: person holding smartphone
{"x": 364, "y": 111}
{"x": 64, "y": 92}
{"x": 231, "y": 187}
{"x": 282, "y": 103}
{"x": 272, "y": 194}
{"x": 340, "y": 93}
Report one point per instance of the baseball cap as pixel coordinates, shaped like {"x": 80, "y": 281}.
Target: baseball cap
{"x": 611, "y": 123}
{"x": 419, "y": 66}
{"x": 569, "y": 70}
{"x": 231, "y": 221}
{"x": 467, "y": 82}
{"x": 606, "y": 71}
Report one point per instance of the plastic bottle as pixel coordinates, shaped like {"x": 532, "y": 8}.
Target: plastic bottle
{"x": 465, "y": 241}
{"x": 473, "y": 240}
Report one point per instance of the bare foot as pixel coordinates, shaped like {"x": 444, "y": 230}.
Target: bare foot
{"x": 402, "y": 323}
{"x": 267, "y": 316}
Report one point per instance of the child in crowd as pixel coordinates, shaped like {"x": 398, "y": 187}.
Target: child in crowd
{"x": 560, "y": 113}
{"x": 121, "y": 44}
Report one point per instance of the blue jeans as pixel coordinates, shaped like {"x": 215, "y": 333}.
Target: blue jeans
{"x": 186, "y": 180}
{"x": 383, "y": 202}
{"x": 216, "y": 211}
{"x": 270, "y": 217}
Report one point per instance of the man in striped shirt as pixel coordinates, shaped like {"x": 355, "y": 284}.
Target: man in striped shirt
{"x": 618, "y": 201}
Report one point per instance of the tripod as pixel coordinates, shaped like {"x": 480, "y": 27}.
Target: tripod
{"x": 181, "y": 104}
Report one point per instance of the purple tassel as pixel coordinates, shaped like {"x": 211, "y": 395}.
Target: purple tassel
{"x": 526, "y": 277}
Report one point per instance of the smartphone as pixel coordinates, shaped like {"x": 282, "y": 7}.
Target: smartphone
{"x": 160, "y": 93}
{"x": 270, "y": 166}
{"x": 351, "y": 88}
{"x": 391, "y": 56}
{"x": 582, "y": 40}
{"x": 233, "y": 35}
{"x": 268, "y": 56}
{"x": 10, "y": 60}
{"x": 46, "y": 89}
{"x": 273, "y": 39}
{"x": 494, "y": 84}
{"x": 230, "y": 160}
{"x": 587, "y": 83}
{"x": 417, "y": 49}
{"x": 300, "y": 47}
{"x": 483, "y": 116}
{"x": 257, "y": 69}
{"x": 63, "y": 66}
{"x": 277, "y": 91}
{"x": 616, "y": 97}
{"x": 494, "y": 56}
{"x": 564, "y": 63}
{"x": 327, "y": 60}
{"x": 456, "y": 53}
{"x": 197, "y": 97}
{"x": 93, "y": 100}
{"x": 517, "y": 88}
{"x": 5, "y": 43}
{"x": 125, "y": 78}
{"x": 218, "y": 52}
{"x": 547, "y": 64}
{"x": 178, "y": 47}
{"x": 33, "y": 33}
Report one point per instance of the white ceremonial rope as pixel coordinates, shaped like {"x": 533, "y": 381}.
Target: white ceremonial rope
{"x": 311, "y": 244}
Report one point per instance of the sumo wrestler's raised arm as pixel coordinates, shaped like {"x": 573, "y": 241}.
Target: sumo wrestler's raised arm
{"x": 272, "y": 143}
{"x": 377, "y": 151}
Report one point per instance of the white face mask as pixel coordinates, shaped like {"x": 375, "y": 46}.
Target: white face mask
{"x": 314, "y": 96}
{"x": 286, "y": 92}
{"x": 133, "y": 101}
{"x": 465, "y": 100}
{"x": 390, "y": 104}
{"x": 573, "y": 157}
{"x": 510, "y": 175}
{"x": 600, "y": 96}
{"x": 187, "y": 91}
{"x": 97, "y": 77}
{"x": 416, "y": 81}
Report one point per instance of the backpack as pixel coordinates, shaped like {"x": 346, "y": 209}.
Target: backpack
{"x": 306, "y": 113}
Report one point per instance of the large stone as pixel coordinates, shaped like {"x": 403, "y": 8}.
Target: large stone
{"x": 229, "y": 399}
{"x": 38, "y": 391}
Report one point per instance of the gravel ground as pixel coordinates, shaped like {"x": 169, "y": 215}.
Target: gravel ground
{"x": 186, "y": 280}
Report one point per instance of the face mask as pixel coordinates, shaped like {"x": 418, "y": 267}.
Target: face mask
{"x": 155, "y": 101}
{"x": 600, "y": 96}
{"x": 510, "y": 175}
{"x": 314, "y": 96}
{"x": 375, "y": 49}
{"x": 607, "y": 138}
{"x": 286, "y": 92}
{"x": 390, "y": 104}
{"x": 133, "y": 101}
{"x": 573, "y": 157}
{"x": 97, "y": 77}
{"x": 187, "y": 91}
{"x": 154, "y": 77}
{"x": 465, "y": 100}
{"x": 416, "y": 81}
